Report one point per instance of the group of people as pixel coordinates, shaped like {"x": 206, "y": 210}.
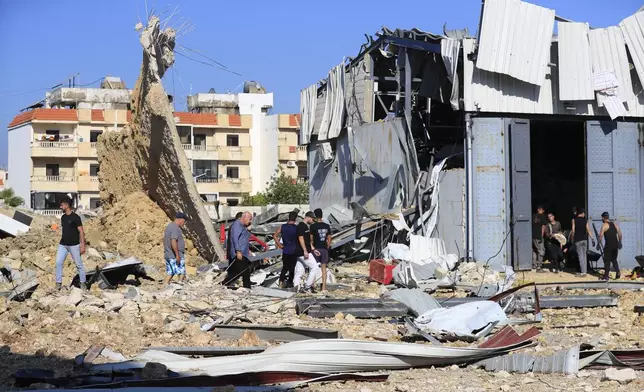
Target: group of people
{"x": 551, "y": 242}
{"x": 303, "y": 245}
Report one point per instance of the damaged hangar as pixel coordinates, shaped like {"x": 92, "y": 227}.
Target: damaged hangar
{"x": 516, "y": 117}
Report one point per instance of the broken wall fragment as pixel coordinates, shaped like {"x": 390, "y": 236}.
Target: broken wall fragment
{"x": 147, "y": 155}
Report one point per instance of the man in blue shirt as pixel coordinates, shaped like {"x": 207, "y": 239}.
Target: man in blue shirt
{"x": 238, "y": 251}
{"x": 288, "y": 235}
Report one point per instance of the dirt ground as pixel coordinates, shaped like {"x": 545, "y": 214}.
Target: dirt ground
{"x": 48, "y": 330}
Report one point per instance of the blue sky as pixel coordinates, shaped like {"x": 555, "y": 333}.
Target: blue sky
{"x": 285, "y": 45}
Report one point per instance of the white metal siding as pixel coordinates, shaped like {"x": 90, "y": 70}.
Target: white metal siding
{"x": 608, "y": 53}
{"x": 633, "y": 31}
{"x": 355, "y": 82}
{"x": 319, "y": 111}
{"x": 492, "y": 92}
{"x": 19, "y": 160}
{"x": 575, "y": 70}
{"x": 488, "y": 92}
{"x": 515, "y": 39}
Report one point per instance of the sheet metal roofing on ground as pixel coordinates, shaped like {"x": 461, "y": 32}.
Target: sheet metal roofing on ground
{"x": 633, "y": 31}
{"x": 515, "y": 39}
{"x": 575, "y": 69}
{"x": 608, "y": 53}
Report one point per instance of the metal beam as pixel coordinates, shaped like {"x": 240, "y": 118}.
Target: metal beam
{"x": 209, "y": 351}
{"x": 596, "y": 285}
{"x": 278, "y": 333}
{"x": 411, "y": 44}
{"x": 360, "y": 308}
{"x": 551, "y": 302}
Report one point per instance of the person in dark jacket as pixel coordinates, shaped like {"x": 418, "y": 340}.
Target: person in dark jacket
{"x": 613, "y": 236}
{"x": 287, "y": 233}
{"x": 579, "y": 235}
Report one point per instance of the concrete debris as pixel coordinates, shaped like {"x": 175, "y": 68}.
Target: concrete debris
{"x": 147, "y": 156}
{"x": 622, "y": 376}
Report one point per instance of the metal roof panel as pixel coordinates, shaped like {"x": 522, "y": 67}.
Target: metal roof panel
{"x": 633, "y": 31}
{"x": 575, "y": 69}
{"x": 608, "y": 53}
{"x": 515, "y": 39}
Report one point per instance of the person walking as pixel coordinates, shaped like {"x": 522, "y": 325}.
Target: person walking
{"x": 321, "y": 239}
{"x": 613, "y": 235}
{"x": 239, "y": 251}
{"x": 579, "y": 235}
{"x": 287, "y": 233}
{"x": 554, "y": 242}
{"x": 174, "y": 248}
{"x": 305, "y": 257}
{"x": 72, "y": 242}
{"x": 538, "y": 229}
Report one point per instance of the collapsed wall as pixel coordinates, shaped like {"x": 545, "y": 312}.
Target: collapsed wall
{"x": 147, "y": 155}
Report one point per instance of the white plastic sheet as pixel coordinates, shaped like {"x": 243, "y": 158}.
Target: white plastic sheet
{"x": 463, "y": 320}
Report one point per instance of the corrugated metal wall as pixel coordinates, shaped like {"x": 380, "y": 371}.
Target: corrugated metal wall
{"x": 368, "y": 181}
{"x": 489, "y": 92}
{"x": 451, "y": 211}
{"x": 358, "y": 96}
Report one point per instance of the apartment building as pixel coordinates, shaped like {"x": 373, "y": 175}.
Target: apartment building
{"x": 270, "y": 142}
{"x": 292, "y": 157}
{"x": 232, "y": 143}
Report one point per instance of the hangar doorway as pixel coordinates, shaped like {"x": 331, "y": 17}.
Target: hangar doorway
{"x": 558, "y": 167}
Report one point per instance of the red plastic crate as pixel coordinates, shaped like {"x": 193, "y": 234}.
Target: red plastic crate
{"x": 380, "y": 271}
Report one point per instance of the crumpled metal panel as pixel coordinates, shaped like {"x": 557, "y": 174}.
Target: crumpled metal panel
{"x": 633, "y": 31}
{"x": 608, "y": 53}
{"x": 515, "y": 39}
{"x": 387, "y": 158}
{"x": 575, "y": 68}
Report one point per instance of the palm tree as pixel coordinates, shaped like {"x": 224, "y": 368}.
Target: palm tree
{"x": 9, "y": 197}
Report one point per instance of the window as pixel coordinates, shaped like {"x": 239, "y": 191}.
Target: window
{"x": 52, "y": 169}
{"x": 200, "y": 140}
{"x": 93, "y": 170}
{"x": 94, "y": 203}
{"x": 232, "y": 140}
{"x": 184, "y": 134}
{"x": 205, "y": 169}
{"x": 233, "y": 202}
{"x": 232, "y": 172}
{"x": 53, "y": 135}
{"x": 93, "y": 136}
{"x": 302, "y": 171}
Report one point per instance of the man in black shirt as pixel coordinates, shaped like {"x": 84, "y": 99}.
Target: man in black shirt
{"x": 539, "y": 223}
{"x": 321, "y": 239}
{"x": 305, "y": 257}
{"x": 72, "y": 242}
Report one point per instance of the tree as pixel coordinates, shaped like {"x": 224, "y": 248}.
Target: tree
{"x": 255, "y": 200}
{"x": 9, "y": 197}
{"x": 287, "y": 190}
{"x": 282, "y": 189}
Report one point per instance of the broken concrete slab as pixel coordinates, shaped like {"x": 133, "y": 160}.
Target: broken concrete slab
{"x": 148, "y": 155}
{"x": 622, "y": 376}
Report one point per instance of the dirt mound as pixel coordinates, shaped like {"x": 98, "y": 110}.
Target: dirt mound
{"x": 132, "y": 227}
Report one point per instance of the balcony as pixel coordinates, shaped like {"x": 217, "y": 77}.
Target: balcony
{"x": 54, "y": 183}
{"x": 56, "y": 213}
{"x": 54, "y": 149}
{"x": 198, "y": 151}
{"x": 227, "y": 185}
{"x": 87, "y": 150}
{"x": 291, "y": 153}
{"x": 235, "y": 153}
{"x": 88, "y": 184}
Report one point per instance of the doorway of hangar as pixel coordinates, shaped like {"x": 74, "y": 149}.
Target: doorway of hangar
{"x": 558, "y": 167}
{"x": 599, "y": 161}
